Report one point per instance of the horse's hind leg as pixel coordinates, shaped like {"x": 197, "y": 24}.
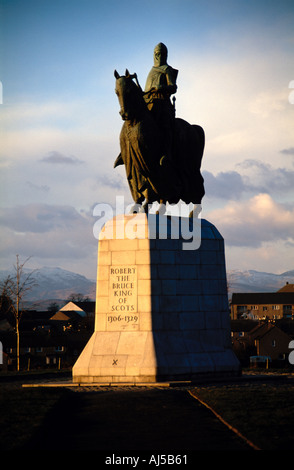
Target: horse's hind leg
{"x": 195, "y": 211}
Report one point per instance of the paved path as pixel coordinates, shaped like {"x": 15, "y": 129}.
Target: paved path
{"x": 136, "y": 419}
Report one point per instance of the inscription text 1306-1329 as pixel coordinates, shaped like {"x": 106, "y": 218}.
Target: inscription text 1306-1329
{"x": 122, "y": 296}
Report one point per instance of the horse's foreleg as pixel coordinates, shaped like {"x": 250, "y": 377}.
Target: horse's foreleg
{"x": 136, "y": 208}
{"x": 162, "y": 207}
{"x": 147, "y": 195}
{"x": 150, "y": 197}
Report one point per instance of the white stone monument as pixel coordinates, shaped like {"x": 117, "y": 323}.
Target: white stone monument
{"x": 162, "y": 309}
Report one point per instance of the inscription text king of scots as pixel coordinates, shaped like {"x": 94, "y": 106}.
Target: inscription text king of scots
{"x": 123, "y": 299}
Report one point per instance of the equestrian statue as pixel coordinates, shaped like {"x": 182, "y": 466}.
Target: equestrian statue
{"x": 162, "y": 154}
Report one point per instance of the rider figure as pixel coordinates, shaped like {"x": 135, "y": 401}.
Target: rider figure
{"x": 160, "y": 85}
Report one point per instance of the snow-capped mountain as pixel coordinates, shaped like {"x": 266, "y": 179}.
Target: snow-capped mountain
{"x": 55, "y": 283}
{"x": 59, "y": 284}
{"x": 256, "y": 281}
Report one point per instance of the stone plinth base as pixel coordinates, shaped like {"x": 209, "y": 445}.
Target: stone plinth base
{"x": 161, "y": 309}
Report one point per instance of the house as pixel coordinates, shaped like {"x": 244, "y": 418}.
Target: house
{"x": 271, "y": 341}
{"x": 287, "y": 288}
{"x": 241, "y": 342}
{"x": 48, "y": 340}
{"x": 5, "y": 325}
{"x": 3, "y": 361}
{"x": 255, "y": 338}
{"x": 67, "y": 320}
{"x": 82, "y": 308}
{"x": 74, "y": 315}
{"x": 264, "y": 305}
{"x": 44, "y": 350}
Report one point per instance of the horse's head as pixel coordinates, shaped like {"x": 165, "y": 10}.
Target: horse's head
{"x": 129, "y": 96}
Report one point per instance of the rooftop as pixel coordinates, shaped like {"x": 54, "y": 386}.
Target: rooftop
{"x": 285, "y": 295}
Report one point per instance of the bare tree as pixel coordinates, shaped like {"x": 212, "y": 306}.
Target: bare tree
{"x": 78, "y": 298}
{"x": 16, "y": 287}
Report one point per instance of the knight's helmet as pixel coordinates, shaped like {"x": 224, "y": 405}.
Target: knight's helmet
{"x": 160, "y": 47}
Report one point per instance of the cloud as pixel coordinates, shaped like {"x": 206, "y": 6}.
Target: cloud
{"x": 223, "y": 185}
{"x": 42, "y": 188}
{"x": 272, "y": 257}
{"x": 288, "y": 151}
{"x": 113, "y": 180}
{"x": 55, "y": 157}
{"x": 262, "y": 177}
{"x": 240, "y": 101}
{"x": 267, "y": 103}
{"x": 41, "y": 113}
{"x": 254, "y": 222}
{"x": 47, "y": 231}
{"x": 76, "y": 128}
{"x": 253, "y": 177}
{"x": 39, "y": 218}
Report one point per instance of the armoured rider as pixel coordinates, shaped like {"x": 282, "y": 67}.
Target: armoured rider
{"x": 160, "y": 85}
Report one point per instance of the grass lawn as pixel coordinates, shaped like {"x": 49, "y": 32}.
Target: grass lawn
{"x": 21, "y": 413}
{"x": 263, "y": 413}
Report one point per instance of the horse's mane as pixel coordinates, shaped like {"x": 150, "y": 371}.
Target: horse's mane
{"x": 138, "y": 103}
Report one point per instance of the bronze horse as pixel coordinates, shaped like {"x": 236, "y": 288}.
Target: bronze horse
{"x": 150, "y": 179}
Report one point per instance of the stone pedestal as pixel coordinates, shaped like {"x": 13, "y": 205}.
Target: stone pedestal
{"x": 162, "y": 310}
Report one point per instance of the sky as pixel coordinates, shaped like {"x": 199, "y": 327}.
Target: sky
{"x": 60, "y": 120}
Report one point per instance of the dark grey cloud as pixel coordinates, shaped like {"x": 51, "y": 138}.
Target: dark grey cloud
{"x": 253, "y": 178}
{"x": 289, "y": 151}
{"x": 265, "y": 178}
{"x": 58, "y": 158}
{"x": 44, "y": 188}
{"x": 47, "y": 231}
{"x": 115, "y": 181}
{"x": 38, "y": 218}
{"x": 223, "y": 185}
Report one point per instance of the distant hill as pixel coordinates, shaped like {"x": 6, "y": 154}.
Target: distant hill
{"x": 57, "y": 284}
{"x": 256, "y": 281}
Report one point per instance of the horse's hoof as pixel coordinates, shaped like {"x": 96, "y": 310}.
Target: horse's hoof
{"x": 145, "y": 208}
{"x": 196, "y": 211}
{"x": 161, "y": 209}
{"x": 135, "y": 209}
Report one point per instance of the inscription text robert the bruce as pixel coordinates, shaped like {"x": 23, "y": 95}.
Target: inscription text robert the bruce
{"x": 123, "y": 302}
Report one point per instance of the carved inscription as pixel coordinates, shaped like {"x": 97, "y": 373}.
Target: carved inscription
{"x": 123, "y": 301}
